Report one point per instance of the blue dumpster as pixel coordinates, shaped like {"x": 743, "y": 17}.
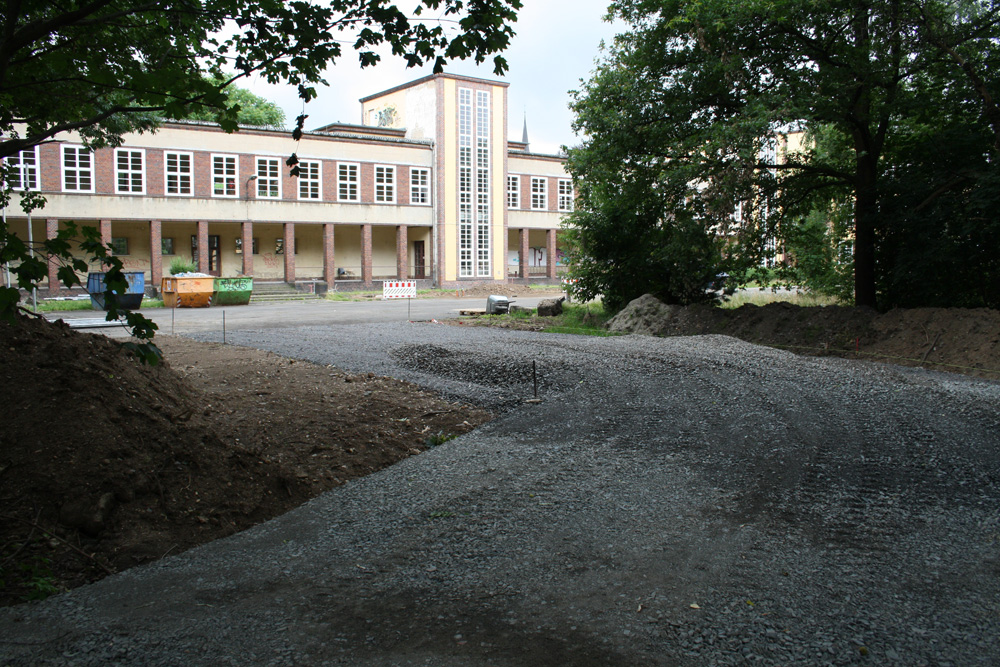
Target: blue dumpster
{"x": 132, "y": 298}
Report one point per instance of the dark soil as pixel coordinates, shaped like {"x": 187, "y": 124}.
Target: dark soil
{"x": 948, "y": 339}
{"x": 106, "y": 463}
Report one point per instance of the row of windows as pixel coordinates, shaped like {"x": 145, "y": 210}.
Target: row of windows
{"x": 78, "y": 176}
{"x": 540, "y": 193}
{"x": 120, "y": 245}
{"x": 130, "y": 176}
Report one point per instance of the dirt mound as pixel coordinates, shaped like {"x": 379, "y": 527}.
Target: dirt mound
{"x": 106, "y": 463}
{"x": 953, "y": 339}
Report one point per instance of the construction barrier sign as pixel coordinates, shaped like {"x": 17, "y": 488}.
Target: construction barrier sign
{"x": 399, "y": 289}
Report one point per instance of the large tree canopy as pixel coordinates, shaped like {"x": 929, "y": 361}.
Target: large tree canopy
{"x": 685, "y": 112}
{"x": 103, "y": 68}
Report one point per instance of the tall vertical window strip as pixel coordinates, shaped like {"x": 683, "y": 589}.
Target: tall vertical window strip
{"x": 224, "y": 176}
{"x": 24, "y": 169}
{"x": 268, "y": 178}
{"x": 420, "y": 186}
{"x": 465, "y": 193}
{"x": 539, "y": 194}
{"x": 310, "y": 178}
{"x": 385, "y": 184}
{"x": 483, "y": 183}
{"x": 565, "y": 195}
{"x": 129, "y": 171}
{"x": 77, "y": 169}
{"x": 179, "y": 173}
{"x": 347, "y": 182}
{"x": 513, "y": 192}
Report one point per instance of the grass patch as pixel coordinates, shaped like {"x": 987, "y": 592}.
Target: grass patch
{"x": 62, "y": 306}
{"x": 582, "y": 319}
{"x": 803, "y": 299}
{"x": 369, "y": 295}
{"x": 84, "y": 304}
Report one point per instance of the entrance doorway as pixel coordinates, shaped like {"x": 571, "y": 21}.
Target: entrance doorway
{"x": 214, "y": 253}
{"x": 418, "y": 260}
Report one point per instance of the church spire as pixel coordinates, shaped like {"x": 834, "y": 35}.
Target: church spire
{"x": 524, "y": 134}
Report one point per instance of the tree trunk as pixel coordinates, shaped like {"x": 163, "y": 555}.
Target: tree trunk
{"x": 865, "y": 212}
{"x": 867, "y": 148}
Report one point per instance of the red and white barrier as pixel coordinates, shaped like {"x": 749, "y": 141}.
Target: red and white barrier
{"x": 399, "y": 289}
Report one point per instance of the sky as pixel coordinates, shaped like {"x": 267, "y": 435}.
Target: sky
{"x": 554, "y": 48}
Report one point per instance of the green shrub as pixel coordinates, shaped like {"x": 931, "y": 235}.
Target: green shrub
{"x": 181, "y": 265}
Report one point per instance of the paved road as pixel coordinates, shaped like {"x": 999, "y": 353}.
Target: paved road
{"x": 684, "y": 501}
{"x": 291, "y": 314}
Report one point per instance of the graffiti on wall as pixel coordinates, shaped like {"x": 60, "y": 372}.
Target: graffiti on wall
{"x": 134, "y": 263}
{"x": 384, "y": 117}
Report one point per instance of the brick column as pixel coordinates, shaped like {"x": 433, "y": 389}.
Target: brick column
{"x": 550, "y": 253}
{"x": 402, "y": 255}
{"x": 155, "y": 254}
{"x": 202, "y": 246}
{"x": 51, "y": 229}
{"x": 105, "y": 232}
{"x": 290, "y": 253}
{"x": 329, "y": 264}
{"x": 522, "y": 253}
{"x": 366, "y": 254}
{"x": 247, "y": 234}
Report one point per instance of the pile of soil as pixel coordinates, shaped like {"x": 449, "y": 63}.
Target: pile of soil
{"x": 106, "y": 463}
{"x": 950, "y": 339}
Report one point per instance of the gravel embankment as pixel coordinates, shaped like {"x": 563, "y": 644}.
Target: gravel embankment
{"x": 684, "y": 501}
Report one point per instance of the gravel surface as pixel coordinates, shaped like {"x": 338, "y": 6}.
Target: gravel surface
{"x": 681, "y": 501}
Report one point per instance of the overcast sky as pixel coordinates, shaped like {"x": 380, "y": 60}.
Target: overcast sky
{"x": 554, "y": 48}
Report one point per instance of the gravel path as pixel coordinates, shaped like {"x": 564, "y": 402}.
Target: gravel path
{"x": 683, "y": 501}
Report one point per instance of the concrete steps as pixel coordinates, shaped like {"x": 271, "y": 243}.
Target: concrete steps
{"x": 270, "y": 292}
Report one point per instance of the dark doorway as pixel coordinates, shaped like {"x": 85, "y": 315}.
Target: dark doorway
{"x": 214, "y": 253}
{"x": 418, "y": 260}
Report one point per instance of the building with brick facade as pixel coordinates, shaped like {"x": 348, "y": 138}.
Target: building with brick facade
{"x": 427, "y": 187}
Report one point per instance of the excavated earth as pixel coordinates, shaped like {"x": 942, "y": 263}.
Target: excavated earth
{"x": 688, "y": 500}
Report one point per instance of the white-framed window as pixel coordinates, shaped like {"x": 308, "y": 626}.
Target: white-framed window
{"x": 420, "y": 186}
{"x": 224, "y": 176}
{"x": 77, "y": 169}
{"x": 129, "y": 171}
{"x": 513, "y": 192}
{"x": 347, "y": 182}
{"x": 268, "y": 178}
{"x": 310, "y": 179}
{"x": 179, "y": 173}
{"x": 24, "y": 169}
{"x": 385, "y": 184}
{"x": 539, "y": 194}
{"x": 565, "y": 194}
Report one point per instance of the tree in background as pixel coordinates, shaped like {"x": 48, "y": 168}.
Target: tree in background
{"x": 104, "y": 68}
{"x": 251, "y": 109}
{"x": 691, "y": 99}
